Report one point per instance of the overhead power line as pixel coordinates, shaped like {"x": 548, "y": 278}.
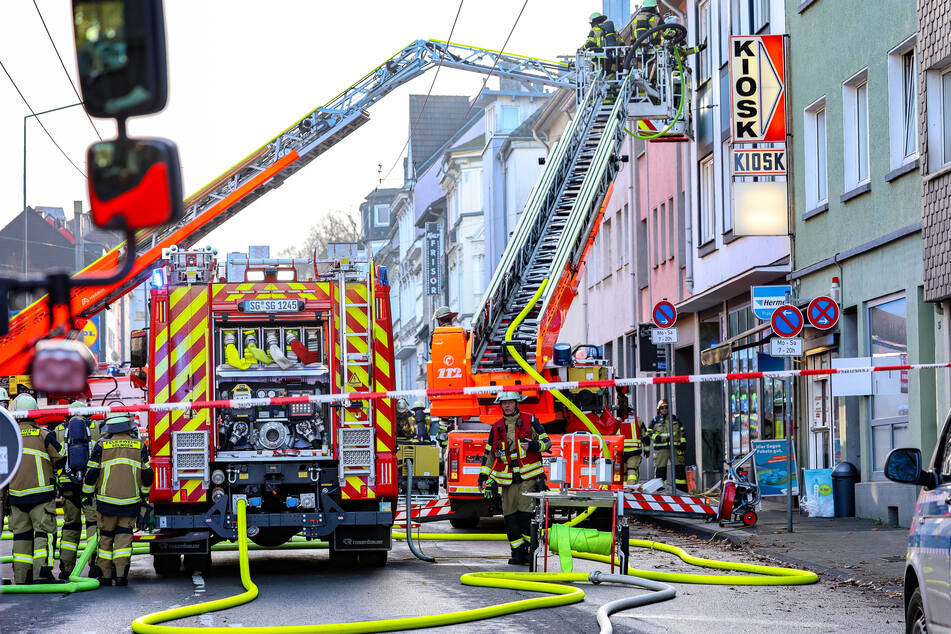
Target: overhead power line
{"x": 496, "y": 62}
{"x": 33, "y": 112}
{"x": 63, "y": 64}
{"x": 426, "y": 100}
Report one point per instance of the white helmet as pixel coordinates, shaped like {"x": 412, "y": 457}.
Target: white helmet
{"x": 509, "y": 396}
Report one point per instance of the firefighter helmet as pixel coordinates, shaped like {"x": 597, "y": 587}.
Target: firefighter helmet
{"x": 508, "y": 396}
{"x": 24, "y": 402}
{"x": 443, "y": 312}
{"x": 661, "y": 403}
{"x": 3, "y": 394}
{"x": 118, "y": 422}
{"x": 594, "y": 16}
{"x": 419, "y": 405}
{"x": 402, "y": 406}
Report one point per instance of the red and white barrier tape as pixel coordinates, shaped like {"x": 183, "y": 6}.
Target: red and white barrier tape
{"x": 348, "y": 397}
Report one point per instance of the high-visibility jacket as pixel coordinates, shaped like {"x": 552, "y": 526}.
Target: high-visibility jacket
{"x": 119, "y": 474}
{"x": 508, "y": 464}
{"x": 634, "y": 435}
{"x": 32, "y": 484}
{"x": 595, "y": 38}
{"x": 660, "y": 432}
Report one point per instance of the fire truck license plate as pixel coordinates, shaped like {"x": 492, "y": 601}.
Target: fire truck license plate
{"x": 271, "y": 306}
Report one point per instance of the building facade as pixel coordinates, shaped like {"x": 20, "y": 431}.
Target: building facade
{"x": 857, "y": 218}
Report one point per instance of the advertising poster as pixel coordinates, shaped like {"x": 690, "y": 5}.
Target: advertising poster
{"x": 770, "y": 462}
{"x": 818, "y": 484}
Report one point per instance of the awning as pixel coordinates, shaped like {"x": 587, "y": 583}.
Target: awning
{"x": 736, "y": 285}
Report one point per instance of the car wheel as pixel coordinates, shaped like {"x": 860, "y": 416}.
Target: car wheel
{"x": 915, "y": 614}
{"x": 470, "y": 521}
{"x": 166, "y": 565}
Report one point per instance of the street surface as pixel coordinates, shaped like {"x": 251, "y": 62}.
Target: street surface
{"x": 298, "y": 587}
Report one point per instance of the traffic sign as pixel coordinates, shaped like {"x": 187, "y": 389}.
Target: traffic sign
{"x": 663, "y": 335}
{"x": 785, "y": 347}
{"x": 787, "y": 321}
{"x": 11, "y": 447}
{"x": 664, "y": 314}
{"x": 823, "y": 312}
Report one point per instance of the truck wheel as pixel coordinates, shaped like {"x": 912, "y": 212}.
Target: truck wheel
{"x": 373, "y": 558}
{"x": 470, "y": 521}
{"x": 167, "y": 565}
{"x": 198, "y": 563}
{"x": 342, "y": 558}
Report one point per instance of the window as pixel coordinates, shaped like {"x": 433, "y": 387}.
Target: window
{"x": 705, "y": 64}
{"x": 606, "y": 252}
{"x": 655, "y": 243}
{"x": 939, "y": 117}
{"x": 724, "y": 21}
{"x": 509, "y": 118}
{"x": 749, "y": 16}
{"x": 625, "y": 235}
{"x": 902, "y": 104}
{"x": 670, "y": 228}
{"x": 381, "y": 215}
{"x": 814, "y": 150}
{"x": 619, "y": 231}
{"x": 707, "y": 201}
{"x": 888, "y": 345}
{"x": 662, "y": 242}
{"x": 727, "y": 172}
{"x": 855, "y": 129}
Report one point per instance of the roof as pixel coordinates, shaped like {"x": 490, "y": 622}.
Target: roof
{"x": 476, "y": 143}
{"x": 433, "y": 126}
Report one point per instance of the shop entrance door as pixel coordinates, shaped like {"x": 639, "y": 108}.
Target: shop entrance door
{"x": 819, "y": 415}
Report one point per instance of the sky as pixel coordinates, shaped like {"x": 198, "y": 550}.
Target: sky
{"x": 240, "y": 72}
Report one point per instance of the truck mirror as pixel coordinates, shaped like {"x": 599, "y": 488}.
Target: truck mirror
{"x": 139, "y": 348}
{"x": 61, "y": 367}
{"x": 120, "y": 49}
{"x": 134, "y": 183}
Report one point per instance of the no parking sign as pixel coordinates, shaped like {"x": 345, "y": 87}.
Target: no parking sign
{"x": 823, "y": 312}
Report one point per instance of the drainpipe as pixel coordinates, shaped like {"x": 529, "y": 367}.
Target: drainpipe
{"x": 688, "y": 218}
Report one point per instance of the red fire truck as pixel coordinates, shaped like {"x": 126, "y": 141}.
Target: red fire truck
{"x": 250, "y": 331}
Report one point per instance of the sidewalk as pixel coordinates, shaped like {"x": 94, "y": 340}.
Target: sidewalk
{"x": 859, "y": 551}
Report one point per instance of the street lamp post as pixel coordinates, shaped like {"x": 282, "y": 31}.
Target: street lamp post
{"x": 25, "y": 218}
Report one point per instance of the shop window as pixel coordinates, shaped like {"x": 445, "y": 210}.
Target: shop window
{"x": 888, "y": 407}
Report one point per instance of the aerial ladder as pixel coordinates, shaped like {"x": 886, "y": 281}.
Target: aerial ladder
{"x": 517, "y": 324}
{"x": 263, "y": 170}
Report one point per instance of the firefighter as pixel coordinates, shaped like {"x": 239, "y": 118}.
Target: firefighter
{"x": 422, "y": 421}
{"x": 77, "y": 436}
{"x": 636, "y": 442}
{"x": 513, "y": 462}
{"x": 31, "y": 492}
{"x": 646, "y": 18}
{"x": 444, "y": 317}
{"x": 119, "y": 475}
{"x": 661, "y": 440}
{"x": 405, "y": 425}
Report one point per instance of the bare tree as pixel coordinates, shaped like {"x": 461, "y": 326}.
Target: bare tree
{"x": 334, "y": 226}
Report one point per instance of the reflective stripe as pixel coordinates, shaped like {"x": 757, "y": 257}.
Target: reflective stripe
{"x": 88, "y": 488}
{"x": 23, "y": 559}
{"x": 24, "y": 492}
{"x": 121, "y": 552}
{"x": 119, "y": 501}
{"x": 64, "y": 545}
{"x": 105, "y": 554}
{"x": 135, "y": 464}
{"x": 518, "y": 542}
{"x": 92, "y": 464}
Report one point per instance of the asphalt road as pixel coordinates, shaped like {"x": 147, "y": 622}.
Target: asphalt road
{"x": 299, "y": 587}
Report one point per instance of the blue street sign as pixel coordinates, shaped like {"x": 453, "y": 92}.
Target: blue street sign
{"x": 664, "y": 314}
{"x": 766, "y": 299}
{"x": 787, "y": 321}
{"x": 823, "y": 312}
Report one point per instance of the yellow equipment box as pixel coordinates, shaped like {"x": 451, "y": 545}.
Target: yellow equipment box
{"x": 425, "y": 459}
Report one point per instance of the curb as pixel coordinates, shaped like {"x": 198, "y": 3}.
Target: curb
{"x": 739, "y": 537}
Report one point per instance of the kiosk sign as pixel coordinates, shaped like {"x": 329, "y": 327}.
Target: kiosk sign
{"x": 758, "y": 94}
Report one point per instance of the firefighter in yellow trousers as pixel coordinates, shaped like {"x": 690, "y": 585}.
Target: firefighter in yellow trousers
{"x": 32, "y": 516}
{"x": 513, "y": 461}
{"x": 120, "y": 477}
{"x": 76, "y": 435}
